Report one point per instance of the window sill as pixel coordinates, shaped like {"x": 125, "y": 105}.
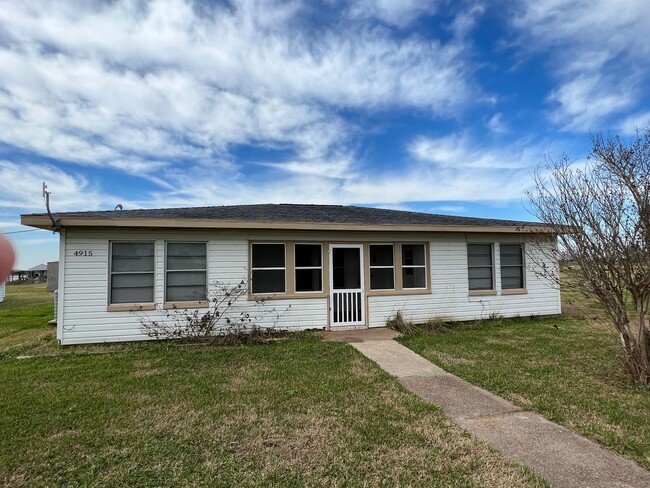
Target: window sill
{"x": 515, "y": 291}
{"x": 482, "y": 293}
{"x": 184, "y": 305}
{"x": 130, "y": 307}
{"x": 407, "y": 291}
{"x": 287, "y": 296}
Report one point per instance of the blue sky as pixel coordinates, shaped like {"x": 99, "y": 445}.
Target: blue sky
{"x": 442, "y": 106}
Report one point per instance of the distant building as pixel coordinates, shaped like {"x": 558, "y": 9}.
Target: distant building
{"x": 37, "y": 273}
{"x": 2, "y": 291}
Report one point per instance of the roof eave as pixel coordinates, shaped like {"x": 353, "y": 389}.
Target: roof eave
{"x": 44, "y": 222}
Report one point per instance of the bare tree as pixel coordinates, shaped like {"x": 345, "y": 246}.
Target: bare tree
{"x": 601, "y": 213}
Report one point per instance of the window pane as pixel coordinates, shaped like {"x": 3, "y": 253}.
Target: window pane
{"x": 268, "y": 281}
{"x": 511, "y": 254}
{"x": 132, "y": 288}
{"x": 480, "y": 278}
{"x": 132, "y": 280}
{"x": 185, "y": 293}
{"x": 132, "y": 249}
{"x": 308, "y": 255}
{"x": 268, "y": 255}
{"x": 132, "y": 295}
{"x": 185, "y": 278}
{"x": 413, "y": 254}
{"x": 512, "y": 283}
{"x": 479, "y": 254}
{"x": 382, "y": 279}
{"x": 480, "y": 283}
{"x": 174, "y": 263}
{"x": 132, "y": 256}
{"x": 189, "y": 255}
{"x": 309, "y": 280}
{"x": 480, "y": 273}
{"x": 381, "y": 255}
{"x": 414, "y": 278}
{"x": 512, "y": 277}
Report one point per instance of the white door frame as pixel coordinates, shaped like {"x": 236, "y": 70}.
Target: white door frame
{"x": 359, "y": 311}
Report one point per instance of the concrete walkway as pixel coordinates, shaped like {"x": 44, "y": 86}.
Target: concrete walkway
{"x": 560, "y": 456}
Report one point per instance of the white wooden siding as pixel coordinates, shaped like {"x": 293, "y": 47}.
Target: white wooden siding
{"x": 83, "y": 282}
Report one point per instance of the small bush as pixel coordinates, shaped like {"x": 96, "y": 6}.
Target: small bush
{"x": 406, "y": 327}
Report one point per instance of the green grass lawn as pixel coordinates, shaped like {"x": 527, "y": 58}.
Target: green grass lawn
{"x": 297, "y": 412}
{"x": 568, "y": 369}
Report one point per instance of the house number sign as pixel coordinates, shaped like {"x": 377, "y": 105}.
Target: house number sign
{"x": 83, "y": 253}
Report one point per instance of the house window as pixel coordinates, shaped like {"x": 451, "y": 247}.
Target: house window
{"x": 185, "y": 272}
{"x": 268, "y": 268}
{"x": 309, "y": 267}
{"x": 480, "y": 267}
{"x": 512, "y": 266}
{"x": 414, "y": 267}
{"x": 382, "y": 267}
{"x": 132, "y": 272}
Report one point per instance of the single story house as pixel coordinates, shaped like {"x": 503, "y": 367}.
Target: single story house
{"x": 328, "y": 266}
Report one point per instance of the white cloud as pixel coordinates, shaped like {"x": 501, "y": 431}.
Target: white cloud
{"x": 452, "y": 168}
{"x": 496, "y": 124}
{"x": 458, "y": 151}
{"x": 399, "y": 13}
{"x": 585, "y": 100}
{"x": 466, "y": 19}
{"x": 449, "y": 208}
{"x": 138, "y": 86}
{"x": 21, "y": 188}
{"x": 587, "y": 40}
{"x": 634, "y": 122}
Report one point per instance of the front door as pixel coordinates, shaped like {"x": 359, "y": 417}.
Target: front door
{"x": 347, "y": 302}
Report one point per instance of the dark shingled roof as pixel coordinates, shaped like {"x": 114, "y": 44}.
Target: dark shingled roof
{"x": 294, "y": 213}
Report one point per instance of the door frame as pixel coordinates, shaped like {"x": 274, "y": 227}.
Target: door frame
{"x": 364, "y": 321}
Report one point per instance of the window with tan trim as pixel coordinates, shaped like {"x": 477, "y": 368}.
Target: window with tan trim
{"x": 414, "y": 266}
{"x": 186, "y": 271}
{"x": 131, "y": 277}
{"x": 512, "y": 266}
{"x": 268, "y": 270}
{"x": 382, "y": 266}
{"x": 480, "y": 267}
{"x": 308, "y": 264}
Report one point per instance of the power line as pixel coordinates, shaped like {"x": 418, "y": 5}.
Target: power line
{"x": 21, "y": 231}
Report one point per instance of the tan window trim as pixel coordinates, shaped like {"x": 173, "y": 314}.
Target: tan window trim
{"x": 366, "y": 253}
{"x": 517, "y": 291}
{"x": 514, "y": 291}
{"x": 130, "y": 307}
{"x": 295, "y": 269}
{"x": 290, "y": 270}
{"x": 167, "y": 271}
{"x": 286, "y": 296}
{"x": 406, "y": 291}
{"x": 493, "y": 290}
{"x": 288, "y": 278}
{"x": 482, "y": 293}
{"x": 427, "y": 269}
{"x": 184, "y": 305}
{"x": 119, "y": 306}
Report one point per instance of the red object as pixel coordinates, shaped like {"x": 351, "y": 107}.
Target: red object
{"x": 7, "y": 258}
